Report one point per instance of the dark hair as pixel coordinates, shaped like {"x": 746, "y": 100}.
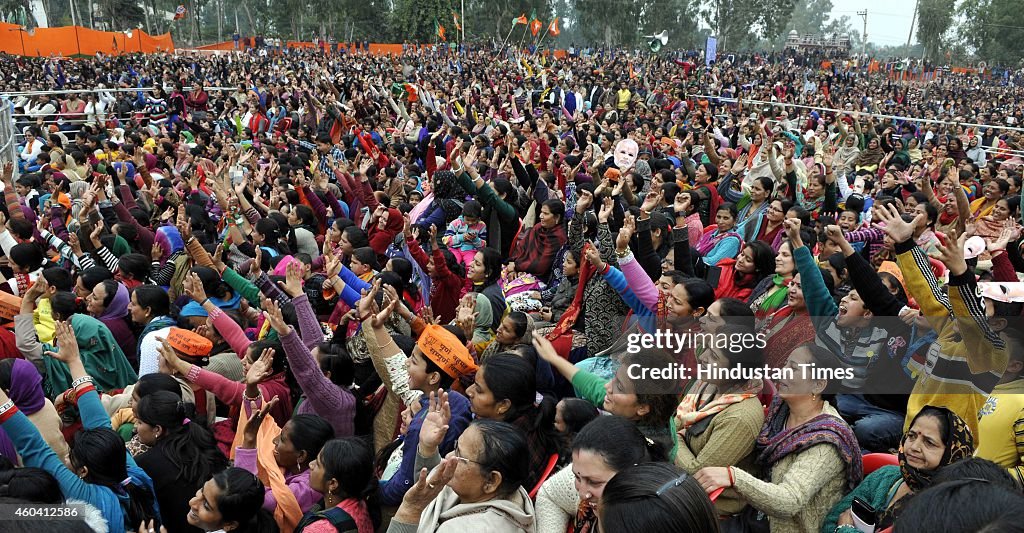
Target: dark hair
{"x": 730, "y": 207}
{"x": 309, "y": 433}
{"x": 975, "y": 468}
{"x": 188, "y": 445}
{"x": 661, "y": 396}
{"x": 350, "y": 462}
{"x": 454, "y": 265}
{"x": 656, "y": 497}
{"x": 212, "y": 284}
{"x": 27, "y": 255}
{"x": 510, "y": 377}
{"x": 356, "y": 237}
{"x": 241, "y": 500}
{"x": 492, "y": 265}
{"x": 964, "y": 505}
{"x": 32, "y": 484}
{"x": 577, "y": 413}
{"x": 556, "y": 207}
{"x": 618, "y": 441}
{"x": 137, "y": 265}
{"x": 60, "y": 279}
{"x": 154, "y": 298}
{"x": 764, "y": 259}
{"x": 838, "y": 262}
{"x": 367, "y": 256}
{"x": 101, "y": 451}
{"x": 472, "y": 209}
{"x": 699, "y": 293}
{"x": 520, "y": 320}
{"x": 155, "y": 382}
{"x": 306, "y": 216}
{"x": 506, "y": 450}
{"x": 64, "y": 304}
{"x": 336, "y": 360}
{"x": 110, "y": 286}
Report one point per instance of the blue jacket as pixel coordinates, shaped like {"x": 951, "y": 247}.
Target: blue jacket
{"x": 394, "y": 489}
{"x": 35, "y": 452}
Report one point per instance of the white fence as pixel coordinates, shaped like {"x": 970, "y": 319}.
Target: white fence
{"x": 8, "y": 145}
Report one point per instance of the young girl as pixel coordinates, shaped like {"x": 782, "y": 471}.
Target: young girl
{"x": 467, "y": 234}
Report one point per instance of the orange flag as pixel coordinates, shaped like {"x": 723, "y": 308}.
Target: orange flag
{"x": 520, "y": 20}
{"x": 553, "y": 29}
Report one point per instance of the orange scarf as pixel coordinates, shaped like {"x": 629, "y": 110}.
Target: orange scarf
{"x": 288, "y": 513}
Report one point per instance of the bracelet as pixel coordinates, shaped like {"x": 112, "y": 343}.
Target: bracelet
{"x": 732, "y": 480}
{"x": 193, "y": 373}
{"x": 259, "y": 394}
{"x": 82, "y": 392}
{"x": 6, "y": 407}
{"x": 622, "y": 254}
{"x": 80, "y": 381}
{"x": 203, "y": 303}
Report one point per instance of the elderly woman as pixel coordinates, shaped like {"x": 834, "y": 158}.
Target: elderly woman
{"x": 937, "y": 437}
{"x": 478, "y": 486}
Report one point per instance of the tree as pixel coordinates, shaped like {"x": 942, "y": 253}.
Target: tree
{"x": 994, "y": 29}
{"x": 934, "y": 18}
{"x": 736, "y": 23}
{"x": 678, "y": 17}
{"x": 808, "y": 17}
{"x": 415, "y": 18}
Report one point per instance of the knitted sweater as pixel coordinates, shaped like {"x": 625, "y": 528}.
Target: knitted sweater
{"x": 727, "y": 441}
{"x": 801, "y": 490}
{"x": 876, "y": 490}
{"x": 557, "y": 501}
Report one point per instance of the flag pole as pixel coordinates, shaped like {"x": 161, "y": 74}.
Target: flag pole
{"x": 542, "y": 35}
{"x": 503, "y": 43}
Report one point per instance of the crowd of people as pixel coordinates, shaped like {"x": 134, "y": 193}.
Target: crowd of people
{"x": 310, "y": 292}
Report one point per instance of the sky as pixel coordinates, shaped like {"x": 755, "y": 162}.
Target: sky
{"x": 888, "y": 20}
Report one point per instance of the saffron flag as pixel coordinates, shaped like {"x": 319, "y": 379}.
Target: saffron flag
{"x": 553, "y": 29}
{"x": 520, "y": 20}
{"x": 440, "y": 30}
{"x": 179, "y": 12}
{"x": 535, "y": 24}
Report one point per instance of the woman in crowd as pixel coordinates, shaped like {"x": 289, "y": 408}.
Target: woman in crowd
{"x": 101, "y": 472}
{"x": 656, "y": 497}
{"x": 230, "y": 501}
{"x": 603, "y": 448}
{"x": 937, "y": 437}
{"x": 182, "y": 453}
{"x": 810, "y": 455}
{"x": 343, "y": 473}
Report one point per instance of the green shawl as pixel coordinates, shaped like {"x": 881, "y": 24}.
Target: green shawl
{"x": 101, "y": 356}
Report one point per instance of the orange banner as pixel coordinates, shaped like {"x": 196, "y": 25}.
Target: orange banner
{"x": 75, "y": 40}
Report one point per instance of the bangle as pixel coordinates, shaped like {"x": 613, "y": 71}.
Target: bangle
{"x": 259, "y": 394}
{"x": 80, "y": 381}
{"x": 732, "y": 480}
{"x": 6, "y": 406}
{"x": 81, "y": 392}
{"x": 622, "y": 254}
{"x": 193, "y": 373}
{"x": 203, "y": 303}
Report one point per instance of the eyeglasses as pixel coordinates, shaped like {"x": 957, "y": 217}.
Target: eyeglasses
{"x": 458, "y": 455}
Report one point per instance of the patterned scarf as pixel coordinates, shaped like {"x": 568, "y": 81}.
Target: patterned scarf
{"x": 777, "y": 442}
{"x": 572, "y": 314}
{"x": 586, "y": 519}
{"x": 695, "y": 412}
{"x": 773, "y": 298}
{"x": 24, "y": 283}
{"x": 959, "y": 445}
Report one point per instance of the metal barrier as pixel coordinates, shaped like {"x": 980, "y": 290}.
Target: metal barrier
{"x": 8, "y": 146}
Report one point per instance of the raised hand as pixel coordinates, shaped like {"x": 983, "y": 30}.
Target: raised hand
{"x": 261, "y": 369}
{"x": 953, "y": 256}
{"x": 193, "y": 287}
{"x": 897, "y": 228}
{"x": 273, "y": 314}
{"x": 94, "y": 236}
{"x": 650, "y": 201}
{"x": 435, "y": 424}
{"x": 792, "y": 227}
{"x": 292, "y": 286}
{"x": 625, "y": 234}
{"x": 606, "y": 210}
{"x": 67, "y": 343}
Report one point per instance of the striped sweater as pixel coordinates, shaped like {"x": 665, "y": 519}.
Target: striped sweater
{"x": 968, "y": 359}
{"x": 854, "y": 347}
